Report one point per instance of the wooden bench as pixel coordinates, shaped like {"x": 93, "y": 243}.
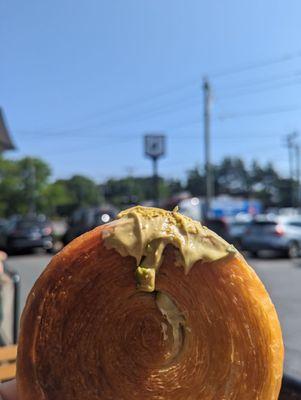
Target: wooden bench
{"x": 8, "y": 355}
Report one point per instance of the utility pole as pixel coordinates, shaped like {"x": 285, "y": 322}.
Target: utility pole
{"x": 131, "y": 186}
{"x": 154, "y": 147}
{"x": 208, "y": 168}
{"x": 297, "y": 156}
{"x": 292, "y": 152}
{"x": 156, "y": 181}
{"x": 32, "y": 187}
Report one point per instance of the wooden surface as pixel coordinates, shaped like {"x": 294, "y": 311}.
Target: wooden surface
{"x": 8, "y": 355}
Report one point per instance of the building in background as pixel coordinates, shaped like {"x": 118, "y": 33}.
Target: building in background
{"x": 6, "y": 142}
{"x": 221, "y": 207}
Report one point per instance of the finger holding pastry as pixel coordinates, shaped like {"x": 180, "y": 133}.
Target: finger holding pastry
{"x": 8, "y": 391}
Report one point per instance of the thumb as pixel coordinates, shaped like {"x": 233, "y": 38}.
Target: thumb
{"x": 8, "y": 391}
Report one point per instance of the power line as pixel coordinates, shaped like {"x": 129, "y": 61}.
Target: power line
{"x": 59, "y": 135}
{"x": 83, "y": 130}
{"x": 262, "y": 89}
{"x": 253, "y": 113}
{"x": 88, "y": 149}
{"x": 126, "y": 137}
{"x": 137, "y": 137}
{"x": 172, "y": 126}
{"x": 262, "y": 80}
{"x": 260, "y": 64}
{"x": 132, "y": 118}
{"x": 123, "y": 107}
{"x": 194, "y": 81}
{"x": 144, "y": 100}
{"x": 176, "y": 88}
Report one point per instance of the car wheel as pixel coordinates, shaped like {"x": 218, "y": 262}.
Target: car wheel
{"x": 293, "y": 250}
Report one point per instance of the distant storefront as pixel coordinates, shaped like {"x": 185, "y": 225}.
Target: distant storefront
{"x": 221, "y": 207}
{"x": 227, "y": 206}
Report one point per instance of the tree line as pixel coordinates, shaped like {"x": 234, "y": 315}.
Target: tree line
{"x": 26, "y": 186}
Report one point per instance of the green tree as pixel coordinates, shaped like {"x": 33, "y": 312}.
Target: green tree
{"x": 82, "y": 190}
{"x": 284, "y": 188}
{"x": 134, "y": 190}
{"x": 268, "y": 186}
{"x": 21, "y": 185}
{"x": 57, "y": 199}
{"x": 196, "y": 183}
{"x": 34, "y": 174}
{"x": 232, "y": 177}
{"x": 9, "y": 186}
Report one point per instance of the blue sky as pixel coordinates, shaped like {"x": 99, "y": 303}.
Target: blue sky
{"x": 82, "y": 81}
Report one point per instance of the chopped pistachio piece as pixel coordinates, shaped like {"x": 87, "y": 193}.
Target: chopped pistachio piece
{"x": 146, "y": 278}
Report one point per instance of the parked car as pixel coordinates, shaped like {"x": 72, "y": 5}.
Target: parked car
{"x": 3, "y": 223}
{"x": 3, "y": 227}
{"x": 236, "y": 231}
{"x": 26, "y": 233}
{"x": 230, "y": 229}
{"x": 219, "y": 226}
{"x": 85, "y": 219}
{"x": 281, "y": 234}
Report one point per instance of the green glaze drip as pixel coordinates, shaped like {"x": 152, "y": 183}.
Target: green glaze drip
{"x": 144, "y": 232}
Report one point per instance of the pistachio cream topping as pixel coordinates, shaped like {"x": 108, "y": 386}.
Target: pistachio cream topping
{"x": 174, "y": 318}
{"x": 144, "y": 232}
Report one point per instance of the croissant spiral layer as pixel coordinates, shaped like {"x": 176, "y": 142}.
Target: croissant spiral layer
{"x": 87, "y": 333}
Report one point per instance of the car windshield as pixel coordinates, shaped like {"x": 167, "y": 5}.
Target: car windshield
{"x": 237, "y": 227}
{"x": 262, "y": 226}
{"x": 26, "y": 224}
{"x": 238, "y": 224}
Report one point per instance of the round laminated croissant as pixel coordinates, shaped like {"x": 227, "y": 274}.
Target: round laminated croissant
{"x": 153, "y": 306}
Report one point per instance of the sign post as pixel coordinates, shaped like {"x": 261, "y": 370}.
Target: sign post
{"x": 154, "y": 147}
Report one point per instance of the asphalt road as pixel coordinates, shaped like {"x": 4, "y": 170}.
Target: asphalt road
{"x": 281, "y": 277}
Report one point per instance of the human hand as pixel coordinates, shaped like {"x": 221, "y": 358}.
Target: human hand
{"x": 8, "y": 391}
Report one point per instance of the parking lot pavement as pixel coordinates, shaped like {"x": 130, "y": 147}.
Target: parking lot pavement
{"x": 29, "y": 268}
{"x": 281, "y": 277}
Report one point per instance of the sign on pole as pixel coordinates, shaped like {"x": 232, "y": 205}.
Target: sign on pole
{"x": 154, "y": 145}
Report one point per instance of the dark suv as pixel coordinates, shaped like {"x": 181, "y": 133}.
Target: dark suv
{"x": 85, "y": 219}
{"x": 26, "y": 233}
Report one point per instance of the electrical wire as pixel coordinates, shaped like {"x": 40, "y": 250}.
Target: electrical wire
{"x": 253, "y": 113}
{"x": 131, "y": 118}
{"x": 256, "y": 65}
{"x": 142, "y": 101}
{"x": 260, "y": 90}
{"x": 261, "y": 81}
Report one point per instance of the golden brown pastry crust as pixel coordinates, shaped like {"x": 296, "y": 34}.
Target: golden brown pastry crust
{"x": 88, "y": 334}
